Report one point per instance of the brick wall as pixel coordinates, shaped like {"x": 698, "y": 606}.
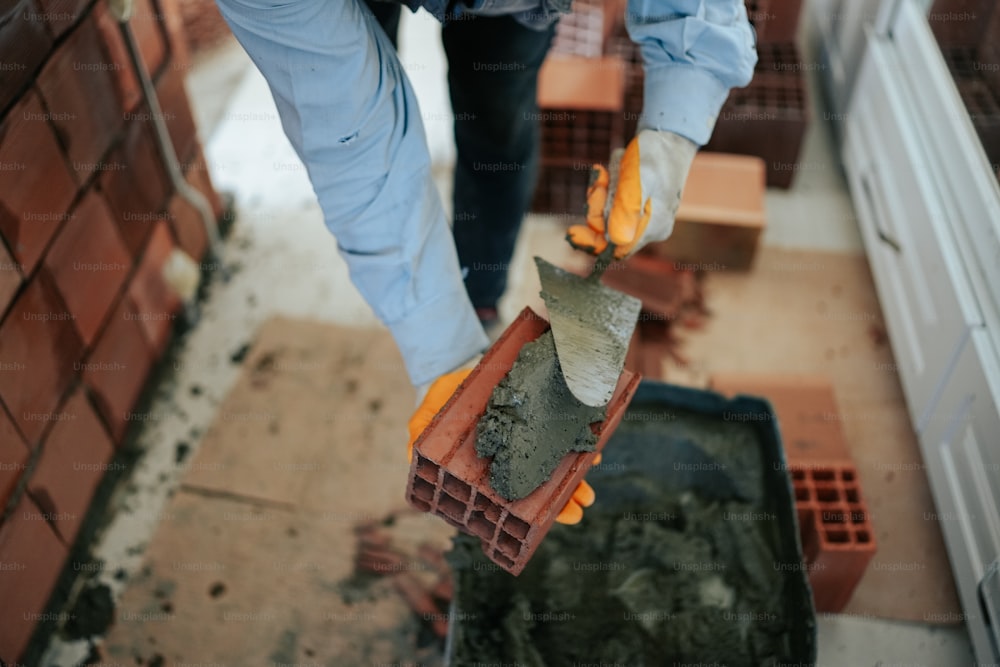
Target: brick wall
{"x": 87, "y": 219}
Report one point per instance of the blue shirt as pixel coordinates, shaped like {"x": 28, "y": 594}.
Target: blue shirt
{"x": 349, "y": 111}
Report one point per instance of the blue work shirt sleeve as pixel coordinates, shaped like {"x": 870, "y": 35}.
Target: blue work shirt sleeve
{"x": 695, "y": 51}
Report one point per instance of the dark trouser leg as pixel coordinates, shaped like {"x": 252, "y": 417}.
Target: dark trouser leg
{"x": 493, "y": 67}
{"x": 387, "y": 14}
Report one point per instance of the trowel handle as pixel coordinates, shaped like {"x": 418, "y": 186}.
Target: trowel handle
{"x": 608, "y": 256}
{"x": 614, "y": 169}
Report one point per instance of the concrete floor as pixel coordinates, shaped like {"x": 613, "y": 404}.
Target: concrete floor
{"x": 284, "y": 262}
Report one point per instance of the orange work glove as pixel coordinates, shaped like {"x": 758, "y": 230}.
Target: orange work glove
{"x": 651, "y": 178}
{"x": 438, "y": 394}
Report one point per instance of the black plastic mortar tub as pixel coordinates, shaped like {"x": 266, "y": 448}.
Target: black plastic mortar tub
{"x": 691, "y": 553}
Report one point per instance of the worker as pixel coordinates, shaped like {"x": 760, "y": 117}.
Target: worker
{"x": 349, "y": 111}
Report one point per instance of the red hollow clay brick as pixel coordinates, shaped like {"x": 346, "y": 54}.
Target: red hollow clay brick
{"x": 838, "y": 539}
{"x": 807, "y": 412}
{"x": 33, "y": 557}
{"x": 562, "y": 190}
{"x": 137, "y": 187}
{"x": 117, "y": 368}
{"x": 36, "y": 187}
{"x": 774, "y": 20}
{"x": 126, "y": 79}
{"x": 447, "y": 478}
{"x": 73, "y": 461}
{"x": 147, "y": 26}
{"x": 173, "y": 20}
{"x": 768, "y": 119}
{"x": 61, "y": 15}
{"x": 24, "y": 45}
{"x": 154, "y": 299}
{"x": 177, "y": 113}
{"x": 39, "y": 347}
{"x": 13, "y": 456}
{"x": 10, "y": 278}
{"x": 88, "y": 263}
{"x": 78, "y": 85}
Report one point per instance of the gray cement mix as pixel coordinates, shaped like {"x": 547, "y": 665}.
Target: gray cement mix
{"x": 674, "y": 562}
{"x": 532, "y": 421}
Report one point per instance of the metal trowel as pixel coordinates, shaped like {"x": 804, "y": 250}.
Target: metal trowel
{"x": 592, "y": 324}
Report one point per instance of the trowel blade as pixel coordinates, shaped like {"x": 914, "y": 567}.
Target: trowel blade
{"x": 592, "y": 326}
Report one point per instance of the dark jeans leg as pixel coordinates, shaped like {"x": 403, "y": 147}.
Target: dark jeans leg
{"x": 387, "y": 14}
{"x": 493, "y": 67}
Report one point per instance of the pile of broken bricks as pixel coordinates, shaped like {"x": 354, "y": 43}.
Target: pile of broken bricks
{"x": 378, "y": 554}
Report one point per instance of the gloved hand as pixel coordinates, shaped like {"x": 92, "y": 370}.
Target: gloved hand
{"x": 651, "y": 178}
{"x": 438, "y": 394}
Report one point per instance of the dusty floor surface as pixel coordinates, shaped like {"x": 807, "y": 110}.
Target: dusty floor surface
{"x": 249, "y": 565}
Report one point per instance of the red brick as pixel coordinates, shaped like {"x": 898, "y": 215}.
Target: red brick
{"x": 177, "y": 113}
{"x": 24, "y": 45}
{"x": 10, "y": 278}
{"x": 188, "y": 227}
{"x": 118, "y": 367}
{"x": 137, "y": 188}
{"x": 89, "y": 263}
{"x": 198, "y": 175}
{"x": 147, "y": 26}
{"x": 768, "y": 119}
{"x": 41, "y": 354}
{"x": 61, "y": 15}
{"x": 838, "y": 539}
{"x": 33, "y": 558}
{"x": 74, "y": 457}
{"x": 173, "y": 17}
{"x": 36, "y": 187}
{"x": 155, "y": 300}
{"x": 13, "y": 456}
{"x": 78, "y": 85}
{"x": 806, "y": 407}
{"x": 447, "y": 478}
{"x": 126, "y": 80}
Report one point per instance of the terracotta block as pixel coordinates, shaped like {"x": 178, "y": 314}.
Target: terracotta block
{"x": 768, "y": 119}
{"x": 173, "y": 21}
{"x": 988, "y": 53}
{"x": 33, "y": 558}
{"x": 61, "y": 15}
{"x": 74, "y": 458}
{"x": 562, "y": 190}
{"x": 774, "y": 20}
{"x": 155, "y": 301}
{"x": 115, "y": 50}
{"x": 13, "y": 456}
{"x": 137, "y": 188}
{"x": 39, "y": 347}
{"x": 147, "y": 26}
{"x": 36, "y": 187}
{"x": 960, "y": 22}
{"x": 177, "y": 113}
{"x": 838, "y": 539}
{"x": 117, "y": 368}
{"x": 578, "y": 138}
{"x": 806, "y": 407}
{"x": 721, "y": 216}
{"x": 79, "y": 89}
{"x": 89, "y": 263}
{"x": 24, "y": 45}
{"x": 581, "y": 32}
{"x": 447, "y": 478}
{"x": 586, "y": 84}
{"x": 10, "y": 278}
{"x": 662, "y": 284}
